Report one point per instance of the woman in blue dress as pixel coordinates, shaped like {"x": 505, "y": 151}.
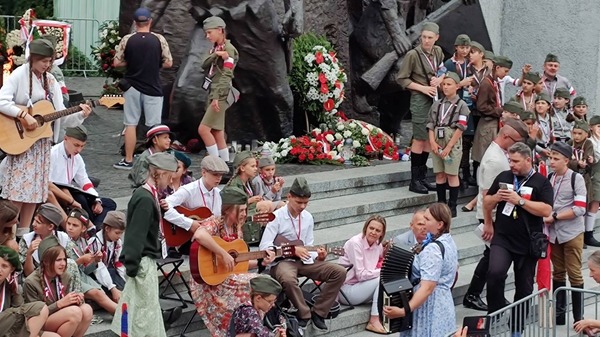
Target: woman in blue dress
{"x": 432, "y": 304}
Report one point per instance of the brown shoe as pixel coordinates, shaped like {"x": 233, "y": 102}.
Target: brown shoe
{"x": 372, "y": 328}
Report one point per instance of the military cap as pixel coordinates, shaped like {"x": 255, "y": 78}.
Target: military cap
{"x": 265, "y": 161}
{"x": 300, "y": 188}
{"x": 182, "y": 157}
{"x": 240, "y": 157}
{"x": 489, "y": 55}
{"x": 431, "y": 27}
{"x": 513, "y": 106}
{"x": 11, "y": 256}
{"x": 41, "y": 47}
{"x": 454, "y": 76}
{"x": 51, "y": 38}
{"x": 49, "y": 242}
{"x": 581, "y": 125}
{"x": 213, "y": 22}
{"x": 163, "y": 160}
{"x": 462, "y": 40}
{"x": 156, "y": 130}
{"x": 478, "y": 46}
{"x": 214, "y": 164}
{"x": 115, "y": 219}
{"x": 579, "y": 100}
{"x": 518, "y": 126}
{"x": 503, "y": 61}
{"x": 551, "y": 58}
{"x": 533, "y": 77}
{"x": 543, "y": 97}
{"x": 51, "y": 213}
{"x": 562, "y": 92}
{"x": 79, "y": 132}
{"x": 142, "y": 14}
{"x": 527, "y": 115}
{"x": 595, "y": 120}
{"x": 265, "y": 284}
{"x": 233, "y": 196}
{"x": 80, "y": 214}
{"x": 562, "y": 148}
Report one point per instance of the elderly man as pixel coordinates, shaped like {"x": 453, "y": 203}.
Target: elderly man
{"x": 552, "y": 80}
{"x": 417, "y": 231}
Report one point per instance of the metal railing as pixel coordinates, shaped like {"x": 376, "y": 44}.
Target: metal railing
{"x": 527, "y": 317}
{"x": 84, "y": 36}
{"x": 9, "y": 22}
{"x": 590, "y": 301}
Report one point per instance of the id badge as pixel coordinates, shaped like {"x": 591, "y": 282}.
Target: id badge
{"x": 508, "y": 209}
{"x": 164, "y": 248}
{"x": 441, "y": 133}
{"x": 206, "y": 83}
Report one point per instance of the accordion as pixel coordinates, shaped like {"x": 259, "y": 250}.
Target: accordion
{"x": 395, "y": 287}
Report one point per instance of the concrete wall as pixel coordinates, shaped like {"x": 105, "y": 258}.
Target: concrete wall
{"x": 492, "y": 12}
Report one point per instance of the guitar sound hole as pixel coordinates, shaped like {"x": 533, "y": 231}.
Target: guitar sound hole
{"x": 39, "y": 119}
{"x": 233, "y": 254}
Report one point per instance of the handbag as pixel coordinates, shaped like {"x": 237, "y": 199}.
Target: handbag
{"x": 538, "y": 242}
{"x": 233, "y": 96}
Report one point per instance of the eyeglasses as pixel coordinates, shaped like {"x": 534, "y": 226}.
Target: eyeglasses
{"x": 271, "y": 302}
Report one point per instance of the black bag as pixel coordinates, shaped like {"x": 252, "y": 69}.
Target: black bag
{"x": 124, "y": 84}
{"x": 276, "y": 315}
{"x": 538, "y": 242}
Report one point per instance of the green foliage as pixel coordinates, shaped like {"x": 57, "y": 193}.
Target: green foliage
{"x": 44, "y": 9}
{"x": 77, "y": 62}
{"x": 105, "y": 51}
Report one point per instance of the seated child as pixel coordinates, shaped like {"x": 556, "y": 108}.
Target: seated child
{"x": 247, "y": 320}
{"x": 267, "y": 185}
{"x": 69, "y": 315}
{"x": 9, "y": 215}
{"x": 86, "y": 259}
{"x": 110, "y": 272}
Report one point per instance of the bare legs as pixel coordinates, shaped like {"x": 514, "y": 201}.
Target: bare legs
{"x": 214, "y": 140}
{"x": 26, "y": 211}
{"x": 104, "y": 301}
{"x": 130, "y": 140}
{"x": 70, "y": 321}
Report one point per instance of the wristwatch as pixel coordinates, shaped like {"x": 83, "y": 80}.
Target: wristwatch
{"x": 555, "y": 216}
{"x": 521, "y": 202}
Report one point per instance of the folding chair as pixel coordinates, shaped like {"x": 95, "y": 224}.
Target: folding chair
{"x": 318, "y": 286}
{"x": 187, "y": 325}
{"x": 168, "y": 278}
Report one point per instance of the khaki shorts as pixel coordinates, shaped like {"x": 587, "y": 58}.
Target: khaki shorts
{"x": 419, "y": 108}
{"x": 450, "y": 165}
{"x": 213, "y": 119}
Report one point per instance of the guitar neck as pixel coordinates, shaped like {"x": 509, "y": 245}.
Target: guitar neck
{"x": 315, "y": 248}
{"x": 62, "y": 113}
{"x": 250, "y": 256}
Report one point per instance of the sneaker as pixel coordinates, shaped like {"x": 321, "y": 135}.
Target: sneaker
{"x": 123, "y": 165}
{"x": 96, "y": 320}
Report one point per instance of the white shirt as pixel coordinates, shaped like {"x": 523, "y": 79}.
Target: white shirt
{"x": 494, "y": 162}
{"x": 62, "y": 237}
{"x": 112, "y": 256}
{"x": 188, "y": 197}
{"x": 299, "y": 228}
{"x": 503, "y": 81}
{"x": 65, "y": 169}
{"x": 16, "y": 91}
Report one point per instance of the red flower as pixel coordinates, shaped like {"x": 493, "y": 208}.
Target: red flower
{"x": 104, "y": 66}
{"x": 302, "y": 157}
{"x": 311, "y": 157}
{"x": 112, "y": 52}
{"x": 342, "y": 115}
{"x": 320, "y": 156}
{"x": 332, "y": 54}
{"x": 322, "y": 78}
{"x": 369, "y": 148}
{"x": 324, "y": 88}
{"x": 338, "y": 84}
{"x": 319, "y": 57}
{"x": 293, "y": 141}
{"x": 329, "y": 105}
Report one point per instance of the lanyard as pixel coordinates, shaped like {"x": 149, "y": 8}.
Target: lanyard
{"x": 297, "y": 232}
{"x": 518, "y": 184}
{"x": 559, "y": 184}
{"x": 202, "y": 194}
{"x": 431, "y": 64}
{"x": 496, "y": 91}
{"x": 525, "y": 104}
{"x": 154, "y": 193}
{"x": 443, "y": 113}
{"x": 248, "y": 189}
{"x": 459, "y": 68}
{"x": 48, "y": 290}
{"x": 578, "y": 154}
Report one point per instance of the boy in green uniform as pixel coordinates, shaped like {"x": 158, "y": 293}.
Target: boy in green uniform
{"x": 422, "y": 72}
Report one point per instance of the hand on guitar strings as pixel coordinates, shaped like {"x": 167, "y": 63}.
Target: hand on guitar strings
{"x": 269, "y": 258}
{"x": 302, "y": 253}
{"x": 228, "y": 260}
{"x": 321, "y": 254}
{"x": 86, "y": 109}
{"x": 30, "y": 122}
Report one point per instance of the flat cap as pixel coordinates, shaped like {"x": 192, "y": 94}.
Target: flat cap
{"x": 527, "y": 115}
{"x": 431, "y": 27}
{"x": 562, "y": 148}
{"x": 503, "y": 61}
{"x": 478, "y": 46}
{"x": 454, "y": 76}
{"x": 41, "y": 47}
{"x": 533, "y": 77}
{"x": 265, "y": 284}
{"x": 11, "y": 256}
{"x": 240, "y": 157}
{"x": 233, "y": 196}
{"x": 184, "y": 158}
{"x": 142, "y": 15}
{"x": 300, "y": 188}
{"x": 213, "y": 22}
{"x": 581, "y": 125}
{"x": 163, "y": 160}
{"x": 265, "y": 161}
{"x": 80, "y": 214}
{"x": 462, "y": 40}
{"x": 51, "y": 213}
{"x": 115, "y": 219}
{"x": 562, "y": 92}
{"x": 79, "y": 132}
{"x": 579, "y": 100}
{"x": 595, "y": 120}
{"x": 518, "y": 126}
{"x": 544, "y": 97}
{"x": 214, "y": 164}
{"x": 48, "y": 242}
{"x": 551, "y": 58}
{"x": 513, "y": 106}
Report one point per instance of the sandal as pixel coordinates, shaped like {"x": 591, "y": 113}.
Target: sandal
{"x": 372, "y": 328}
{"x": 466, "y": 209}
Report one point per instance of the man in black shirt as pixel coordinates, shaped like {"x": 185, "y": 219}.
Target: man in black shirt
{"x": 522, "y": 197}
{"x": 143, "y": 53}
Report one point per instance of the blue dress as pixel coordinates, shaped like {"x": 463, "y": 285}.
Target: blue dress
{"x": 436, "y": 317}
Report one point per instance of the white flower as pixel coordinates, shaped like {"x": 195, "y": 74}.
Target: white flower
{"x": 370, "y": 127}
{"x": 355, "y": 144}
{"x": 352, "y": 125}
{"x": 347, "y": 133}
{"x": 340, "y": 126}
{"x": 334, "y": 111}
{"x": 111, "y": 40}
{"x": 325, "y": 68}
{"x": 338, "y": 136}
{"x": 317, "y": 131}
{"x": 284, "y": 153}
{"x": 309, "y": 58}
{"x": 340, "y": 147}
{"x": 323, "y": 98}
{"x": 364, "y": 132}
{"x": 329, "y": 138}
{"x": 276, "y": 155}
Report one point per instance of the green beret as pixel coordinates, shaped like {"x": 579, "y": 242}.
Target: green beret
{"x": 11, "y": 256}
{"x": 163, "y": 161}
{"x": 214, "y": 164}
{"x": 184, "y": 158}
{"x": 233, "y": 196}
{"x": 503, "y": 61}
{"x": 79, "y": 132}
{"x": 80, "y": 214}
{"x": 454, "y": 76}
{"x": 581, "y": 125}
{"x": 478, "y": 46}
{"x": 41, "y": 47}
{"x": 551, "y": 58}
{"x": 543, "y": 97}
{"x": 51, "y": 213}
{"x": 265, "y": 161}
{"x": 213, "y": 22}
{"x": 240, "y": 157}
{"x": 462, "y": 40}
{"x": 562, "y": 148}
{"x": 527, "y": 115}
{"x": 300, "y": 188}
{"x": 513, "y": 106}
{"x": 431, "y": 27}
{"x": 49, "y": 242}
{"x": 562, "y": 92}
{"x": 265, "y": 284}
{"x": 488, "y": 55}
{"x": 533, "y": 77}
{"x": 595, "y": 120}
{"x": 579, "y": 100}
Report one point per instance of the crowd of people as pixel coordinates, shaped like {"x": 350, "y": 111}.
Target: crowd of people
{"x": 535, "y": 156}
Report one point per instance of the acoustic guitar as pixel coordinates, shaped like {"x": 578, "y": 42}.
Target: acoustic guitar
{"x": 176, "y": 236}
{"x": 16, "y": 139}
{"x": 290, "y": 245}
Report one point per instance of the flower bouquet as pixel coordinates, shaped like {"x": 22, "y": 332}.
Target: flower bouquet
{"x": 61, "y": 31}
{"x": 106, "y": 50}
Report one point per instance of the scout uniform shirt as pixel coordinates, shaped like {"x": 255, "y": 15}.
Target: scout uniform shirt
{"x": 57, "y": 288}
{"x": 14, "y": 313}
{"x": 419, "y": 67}
{"x": 220, "y": 71}
{"x": 561, "y": 129}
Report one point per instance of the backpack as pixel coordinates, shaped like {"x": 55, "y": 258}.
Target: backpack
{"x": 573, "y": 177}
{"x": 273, "y": 319}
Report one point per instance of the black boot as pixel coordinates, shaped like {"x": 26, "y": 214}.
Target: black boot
{"x": 415, "y": 183}
{"x": 441, "y": 192}
{"x": 590, "y": 240}
{"x": 466, "y": 177}
{"x": 472, "y": 299}
{"x": 473, "y": 180}
{"x": 423, "y": 178}
{"x": 453, "y": 200}
{"x": 577, "y": 299}
{"x": 560, "y": 308}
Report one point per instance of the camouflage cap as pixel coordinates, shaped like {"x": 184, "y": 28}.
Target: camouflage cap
{"x": 453, "y": 76}
{"x": 551, "y": 58}
{"x": 533, "y": 77}
{"x": 489, "y": 55}
{"x": 595, "y": 120}
{"x": 51, "y": 213}
{"x": 527, "y": 115}
{"x": 562, "y": 92}
{"x": 513, "y": 106}
{"x": 265, "y": 161}
{"x": 42, "y": 47}
{"x": 581, "y": 125}
{"x": 544, "y": 97}
{"x": 431, "y": 27}
{"x": 79, "y": 132}
{"x": 48, "y": 242}
{"x": 478, "y": 46}
{"x": 503, "y": 61}
{"x": 240, "y": 157}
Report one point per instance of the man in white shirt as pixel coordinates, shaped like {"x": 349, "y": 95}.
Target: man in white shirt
{"x": 293, "y": 222}
{"x": 68, "y": 168}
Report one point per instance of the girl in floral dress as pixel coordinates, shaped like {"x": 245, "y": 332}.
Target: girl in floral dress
{"x": 216, "y": 303}
{"x": 24, "y": 177}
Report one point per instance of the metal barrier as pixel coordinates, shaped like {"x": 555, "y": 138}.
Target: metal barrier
{"x": 84, "y": 35}
{"x": 590, "y": 300}
{"x": 9, "y": 22}
{"x": 527, "y": 317}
